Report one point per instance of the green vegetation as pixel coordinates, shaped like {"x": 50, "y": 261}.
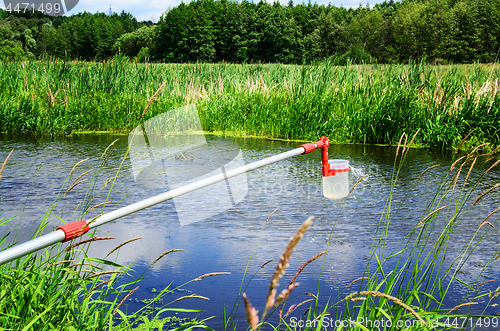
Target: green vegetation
{"x": 403, "y": 287}
{"x": 443, "y": 31}
{"x": 66, "y": 289}
{"x": 352, "y": 104}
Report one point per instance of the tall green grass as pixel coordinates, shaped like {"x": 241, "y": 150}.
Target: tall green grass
{"x": 356, "y": 103}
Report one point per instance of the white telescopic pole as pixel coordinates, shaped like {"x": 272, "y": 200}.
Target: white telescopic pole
{"x": 61, "y": 235}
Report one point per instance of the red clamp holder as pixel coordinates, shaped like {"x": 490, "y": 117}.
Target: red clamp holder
{"x": 323, "y": 143}
{"x": 74, "y": 229}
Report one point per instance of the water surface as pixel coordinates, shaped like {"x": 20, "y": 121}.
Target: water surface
{"x": 39, "y": 167}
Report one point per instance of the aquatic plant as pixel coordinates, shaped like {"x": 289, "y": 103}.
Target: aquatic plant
{"x": 355, "y": 103}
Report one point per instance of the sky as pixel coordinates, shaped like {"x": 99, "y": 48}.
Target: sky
{"x": 152, "y": 9}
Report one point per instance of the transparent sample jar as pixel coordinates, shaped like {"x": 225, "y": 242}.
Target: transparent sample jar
{"x": 336, "y": 186}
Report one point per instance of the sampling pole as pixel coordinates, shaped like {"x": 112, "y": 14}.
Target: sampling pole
{"x": 75, "y": 229}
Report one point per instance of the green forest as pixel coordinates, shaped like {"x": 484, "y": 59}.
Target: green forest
{"x": 438, "y": 31}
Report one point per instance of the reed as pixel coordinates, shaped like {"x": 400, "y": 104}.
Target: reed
{"x": 354, "y": 104}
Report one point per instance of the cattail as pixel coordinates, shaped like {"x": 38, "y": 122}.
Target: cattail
{"x": 152, "y": 99}
{"x": 70, "y": 247}
{"x": 460, "y": 306}
{"x": 122, "y": 244}
{"x": 429, "y": 168}
{"x": 252, "y": 318}
{"x": 315, "y": 257}
{"x": 211, "y": 274}
{"x": 5, "y": 162}
{"x": 486, "y": 192}
{"x": 165, "y": 253}
{"x": 285, "y": 258}
{"x": 123, "y": 300}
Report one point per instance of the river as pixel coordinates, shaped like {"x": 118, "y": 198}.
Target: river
{"x": 224, "y": 242}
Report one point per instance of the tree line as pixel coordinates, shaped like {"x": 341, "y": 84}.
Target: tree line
{"x": 441, "y": 31}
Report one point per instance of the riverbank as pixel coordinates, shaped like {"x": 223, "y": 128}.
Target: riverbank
{"x": 371, "y": 104}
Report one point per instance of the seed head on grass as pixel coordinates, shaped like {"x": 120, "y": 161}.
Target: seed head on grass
{"x": 456, "y": 161}
{"x": 460, "y": 306}
{"x": 122, "y": 244}
{"x": 81, "y": 175}
{"x": 356, "y": 184}
{"x": 285, "y": 293}
{"x": 165, "y": 253}
{"x": 97, "y": 206}
{"x": 315, "y": 257}
{"x": 123, "y": 300}
{"x": 490, "y": 214}
{"x": 429, "y": 168}
{"x": 73, "y": 186}
{"x": 70, "y": 247}
{"x": 211, "y": 274}
{"x": 97, "y": 286}
{"x": 470, "y": 170}
{"x": 77, "y": 164}
{"x": 357, "y": 279}
{"x": 494, "y": 187}
{"x": 422, "y": 222}
{"x": 5, "y": 162}
{"x": 103, "y": 273}
{"x": 283, "y": 262}
{"x": 266, "y": 263}
{"x": 352, "y": 297}
{"x": 464, "y": 140}
{"x": 192, "y": 296}
{"x": 252, "y": 318}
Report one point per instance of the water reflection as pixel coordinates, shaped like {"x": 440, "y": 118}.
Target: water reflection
{"x": 224, "y": 242}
